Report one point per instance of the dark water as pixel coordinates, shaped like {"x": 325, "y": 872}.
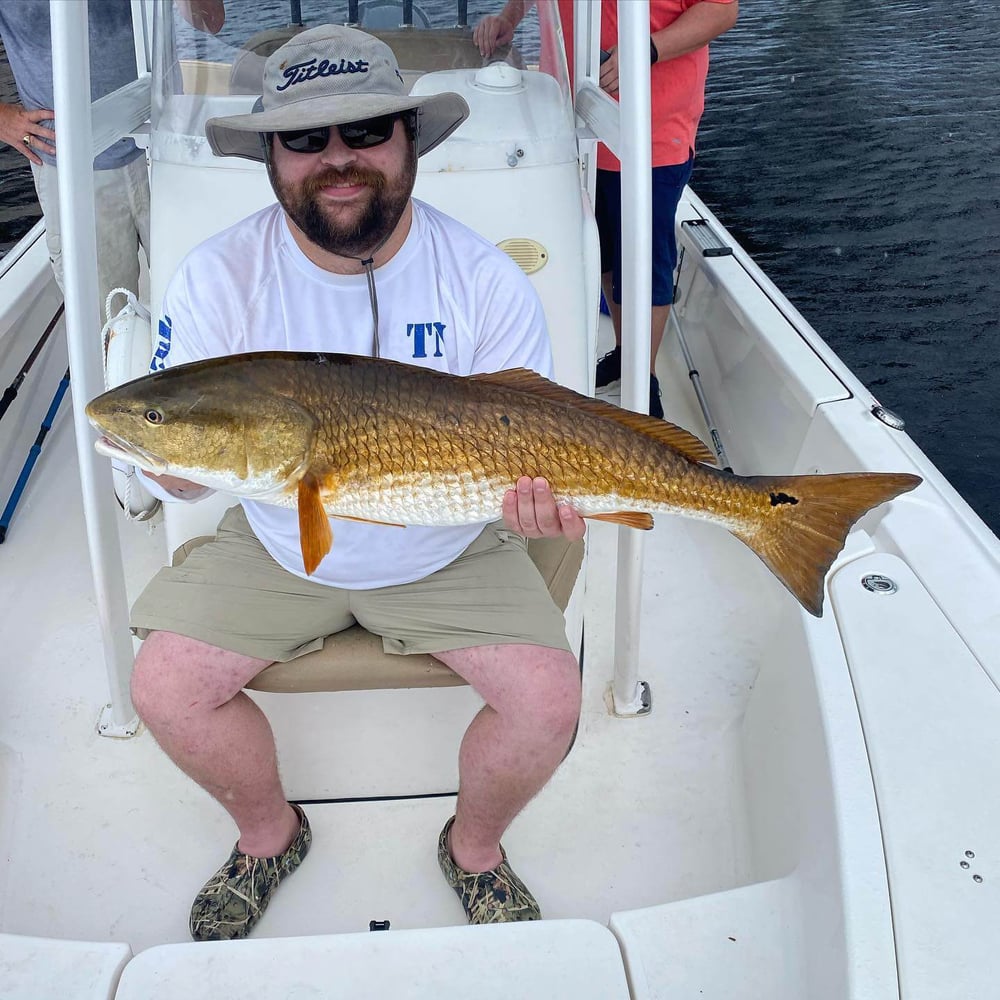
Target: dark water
{"x": 19, "y": 209}
{"x": 853, "y": 147}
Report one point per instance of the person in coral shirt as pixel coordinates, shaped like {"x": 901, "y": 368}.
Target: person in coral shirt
{"x": 680, "y": 31}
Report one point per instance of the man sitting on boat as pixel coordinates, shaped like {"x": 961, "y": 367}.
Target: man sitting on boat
{"x": 340, "y": 138}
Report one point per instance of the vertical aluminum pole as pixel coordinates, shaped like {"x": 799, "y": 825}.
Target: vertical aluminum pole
{"x": 631, "y": 696}
{"x": 584, "y": 64}
{"x": 71, "y": 62}
{"x": 586, "y": 41}
{"x": 142, "y": 15}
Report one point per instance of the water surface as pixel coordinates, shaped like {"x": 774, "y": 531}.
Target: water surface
{"x": 853, "y": 147}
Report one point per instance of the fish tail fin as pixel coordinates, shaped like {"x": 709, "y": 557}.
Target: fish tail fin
{"x": 802, "y": 532}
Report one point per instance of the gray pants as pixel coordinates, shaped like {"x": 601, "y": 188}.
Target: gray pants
{"x": 121, "y": 199}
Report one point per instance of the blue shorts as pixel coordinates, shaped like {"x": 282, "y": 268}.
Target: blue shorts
{"x": 668, "y": 185}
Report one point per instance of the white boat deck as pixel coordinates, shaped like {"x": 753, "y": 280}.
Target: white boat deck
{"x": 772, "y": 824}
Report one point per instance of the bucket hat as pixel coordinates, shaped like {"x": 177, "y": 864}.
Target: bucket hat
{"x": 332, "y": 75}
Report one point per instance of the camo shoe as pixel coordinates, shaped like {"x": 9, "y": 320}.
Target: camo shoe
{"x": 235, "y": 897}
{"x": 494, "y": 897}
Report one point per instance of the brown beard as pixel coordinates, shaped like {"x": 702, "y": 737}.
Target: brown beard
{"x": 371, "y": 228}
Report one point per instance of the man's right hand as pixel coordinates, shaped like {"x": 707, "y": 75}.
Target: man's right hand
{"x": 18, "y": 124}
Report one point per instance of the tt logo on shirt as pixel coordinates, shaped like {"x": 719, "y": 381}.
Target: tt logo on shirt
{"x": 425, "y": 337}
{"x": 162, "y": 349}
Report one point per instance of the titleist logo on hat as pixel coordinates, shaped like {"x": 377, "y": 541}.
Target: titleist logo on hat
{"x": 330, "y": 60}
{"x": 310, "y": 70}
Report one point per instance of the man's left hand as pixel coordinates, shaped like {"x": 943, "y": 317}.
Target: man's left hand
{"x": 531, "y": 510}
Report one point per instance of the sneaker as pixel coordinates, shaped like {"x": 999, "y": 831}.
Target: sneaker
{"x": 234, "y": 899}
{"x": 655, "y": 404}
{"x": 493, "y": 897}
{"x": 609, "y": 368}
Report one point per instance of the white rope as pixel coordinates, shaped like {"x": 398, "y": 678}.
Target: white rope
{"x": 131, "y": 490}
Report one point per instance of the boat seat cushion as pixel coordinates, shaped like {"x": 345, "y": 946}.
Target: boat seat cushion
{"x": 530, "y": 961}
{"x": 54, "y": 967}
{"x": 353, "y": 660}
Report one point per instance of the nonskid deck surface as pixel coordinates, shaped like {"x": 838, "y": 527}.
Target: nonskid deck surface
{"x": 106, "y": 840}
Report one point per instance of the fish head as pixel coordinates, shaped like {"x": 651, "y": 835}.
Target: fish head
{"x": 214, "y": 422}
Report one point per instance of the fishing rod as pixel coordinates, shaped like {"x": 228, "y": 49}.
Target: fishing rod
{"x": 11, "y": 391}
{"x": 29, "y": 464}
{"x": 695, "y": 377}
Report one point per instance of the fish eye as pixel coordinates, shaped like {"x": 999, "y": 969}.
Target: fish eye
{"x": 153, "y": 416}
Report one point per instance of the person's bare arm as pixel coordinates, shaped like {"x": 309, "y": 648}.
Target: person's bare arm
{"x": 17, "y": 123}
{"x": 495, "y": 30}
{"x": 696, "y": 27}
{"x": 205, "y": 15}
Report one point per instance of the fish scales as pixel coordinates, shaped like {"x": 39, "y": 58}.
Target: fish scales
{"x": 453, "y": 454}
{"x": 378, "y": 440}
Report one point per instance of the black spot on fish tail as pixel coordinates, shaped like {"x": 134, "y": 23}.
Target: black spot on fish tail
{"x": 505, "y": 420}
{"x": 780, "y": 498}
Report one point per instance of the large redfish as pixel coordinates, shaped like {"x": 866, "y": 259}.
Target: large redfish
{"x": 360, "y": 438}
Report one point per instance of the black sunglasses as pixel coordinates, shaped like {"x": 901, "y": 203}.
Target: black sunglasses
{"x": 355, "y": 135}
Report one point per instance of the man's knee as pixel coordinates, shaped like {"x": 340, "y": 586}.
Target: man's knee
{"x": 174, "y": 673}
{"x": 155, "y": 684}
{"x": 556, "y": 703}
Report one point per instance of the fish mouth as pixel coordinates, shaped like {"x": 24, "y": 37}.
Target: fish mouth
{"x": 114, "y": 447}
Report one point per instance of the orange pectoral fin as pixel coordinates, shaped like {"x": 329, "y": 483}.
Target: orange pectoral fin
{"x": 630, "y": 518}
{"x": 315, "y": 534}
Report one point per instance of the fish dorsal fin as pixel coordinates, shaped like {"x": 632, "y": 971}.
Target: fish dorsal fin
{"x": 525, "y": 380}
{"x": 315, "y": 533}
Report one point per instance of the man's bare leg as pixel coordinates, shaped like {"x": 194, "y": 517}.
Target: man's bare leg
{"x": 658, "y": 316}
{"x": 513, "y": 745}
{"x": 190, "y": 695}
{"x": 614, "y": 308}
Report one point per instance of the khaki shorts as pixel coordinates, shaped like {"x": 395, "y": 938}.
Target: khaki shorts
{"x": 230, "y": 593}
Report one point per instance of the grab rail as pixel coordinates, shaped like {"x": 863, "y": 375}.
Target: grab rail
{"x": 71, "y": 83}
{"x": 623, "y": 126}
